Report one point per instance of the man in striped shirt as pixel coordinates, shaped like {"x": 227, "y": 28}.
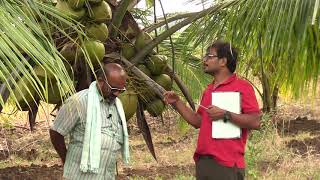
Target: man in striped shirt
{"x": 71, "y": 121}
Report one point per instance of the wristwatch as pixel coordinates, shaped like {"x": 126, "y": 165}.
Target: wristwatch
{"x": 226, "y": 116}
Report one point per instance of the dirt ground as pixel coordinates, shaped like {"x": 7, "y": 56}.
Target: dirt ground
{"x": 29, "y": 155}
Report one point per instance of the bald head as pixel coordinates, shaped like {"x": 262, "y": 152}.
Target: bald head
{"x": 111, "y": 79}
{"x": 110, "y": 68}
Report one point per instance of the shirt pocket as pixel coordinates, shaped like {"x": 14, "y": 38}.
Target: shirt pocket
{"x": 106, "y": 124}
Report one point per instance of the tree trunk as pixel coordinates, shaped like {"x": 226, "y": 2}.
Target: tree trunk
{"x": 266, "y": 98}
{"x": 275, "y": 96}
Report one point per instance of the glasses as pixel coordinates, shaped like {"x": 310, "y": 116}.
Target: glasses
{"x": 208, "y": 56}
{"x": 113, "y": 89}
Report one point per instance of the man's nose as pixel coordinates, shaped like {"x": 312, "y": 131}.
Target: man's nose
{"x": 117, "y": 93}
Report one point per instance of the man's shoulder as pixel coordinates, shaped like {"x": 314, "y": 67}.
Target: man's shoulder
{"x": 243, "y": 82}
{"x": 78, "y": 96}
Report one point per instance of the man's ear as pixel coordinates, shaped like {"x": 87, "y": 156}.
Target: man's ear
{"x": 223, "y": 61}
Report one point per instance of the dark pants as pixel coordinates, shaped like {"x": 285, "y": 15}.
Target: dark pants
{"x": 208, "y": 169}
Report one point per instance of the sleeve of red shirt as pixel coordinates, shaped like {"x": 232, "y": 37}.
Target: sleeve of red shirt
{"x": 200, "y": 110}
{"x": 249, "y": 100}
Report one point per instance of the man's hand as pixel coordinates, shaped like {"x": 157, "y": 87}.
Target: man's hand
{"x": 170, "y": 97}
{"x": 58, "y": 144}
{"x": 215, "y": 113}
{"x": 186, "y": 112}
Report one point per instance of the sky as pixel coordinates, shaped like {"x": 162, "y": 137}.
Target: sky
{"x": 171, "y": 6}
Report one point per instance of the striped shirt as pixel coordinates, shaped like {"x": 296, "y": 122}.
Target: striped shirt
{"x": 71, "y": 120}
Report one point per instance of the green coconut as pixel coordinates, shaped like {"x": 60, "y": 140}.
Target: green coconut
{"x": 98, "y": 32}
{"x": 146, "y": 94}
{"x": 101, "y": 12}
{"x": 64, "y": 7}
{"x": 157, "y": 64}
{"x": 54, "y": 95}
{"x": 29, "y": 94}
{"x": 95, "y": 50}
{"x": 163, "y": 80}
{"x": 129, "y": 101}
{"x": 95, "y": 1}
{"x": 144, "y": 69}
{"x": 43, "y": 72}
{"x": 128, "y": 50}
{"x": 155, "y": 108}
{"x": 70, "y": 52}
{"x": 76, "y": 4}
{"x": 142, "y": 39}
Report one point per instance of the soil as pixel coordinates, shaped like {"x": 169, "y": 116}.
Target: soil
{"x": 302, "y": 125}
{"x": 25, "y": 145}
{"x": 32, "y": 172}
{"x": 36, "y": 172}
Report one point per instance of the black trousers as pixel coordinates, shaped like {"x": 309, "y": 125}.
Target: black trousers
{"x": 208, "y": 169}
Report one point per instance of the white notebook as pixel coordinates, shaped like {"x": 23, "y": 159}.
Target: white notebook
{"x": 230, "y": 101}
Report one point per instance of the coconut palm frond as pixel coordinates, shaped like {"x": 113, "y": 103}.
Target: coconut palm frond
{"x": 25, "y": 44}
{"x": 287, "y": 31}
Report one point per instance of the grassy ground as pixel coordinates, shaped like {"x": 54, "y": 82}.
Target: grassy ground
{"x": 291, "y": 151}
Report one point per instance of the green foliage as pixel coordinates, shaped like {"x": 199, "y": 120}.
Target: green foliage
{"x": 279, "y": 35}
{"x": 182, "y": 126}
{"x": 21, "y": 36}
{"x": 5, "y": 122}
{"x": 149, "y": 3}
{"x": 256, "y": 145}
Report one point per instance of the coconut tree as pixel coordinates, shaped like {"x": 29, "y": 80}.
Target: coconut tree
{"x": 61, "y": 56}
{"x": 279, "y": 42}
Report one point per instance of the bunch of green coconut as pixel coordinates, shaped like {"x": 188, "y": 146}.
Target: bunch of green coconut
{"x": 98, "y": 12}
{"x": 154, "y": 66}
{"x": 95, "y": 15}
{"x": 27, "y": 94}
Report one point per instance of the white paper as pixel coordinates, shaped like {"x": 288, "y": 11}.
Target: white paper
{"x": 229, "y": 101}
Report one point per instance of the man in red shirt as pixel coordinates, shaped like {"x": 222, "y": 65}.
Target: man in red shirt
{"x": 221, "y": 159}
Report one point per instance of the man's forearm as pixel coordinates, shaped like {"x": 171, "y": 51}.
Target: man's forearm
{"x": 58, "y": 144}
{"x": 249, "y": 121}
{"x": 190, "y": 116}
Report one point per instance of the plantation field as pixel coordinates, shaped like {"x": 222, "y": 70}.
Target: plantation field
{"x": 287, "y": 147}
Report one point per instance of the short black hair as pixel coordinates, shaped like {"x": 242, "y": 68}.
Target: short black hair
{"x": 225, "y": 49}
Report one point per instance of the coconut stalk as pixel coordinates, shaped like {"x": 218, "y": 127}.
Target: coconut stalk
{"x": 32, "y": 114}
{"x": 155, "y": 21}
{"x": 169, "y": 20}
{"x": 159, "y": 90}
{"x": 118, "y": 17}
{"x": 181, "y": 85}
{"x": 171, "y": 43}
{"x": 147, "y": 49}
{"x": 144, "y": 128}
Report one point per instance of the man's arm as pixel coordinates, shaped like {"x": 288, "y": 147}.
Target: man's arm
{"x": 65, "y": 121}
{"x": 58, "y": 143}
{"x": 186, "y": 112}
{"x": 249, "y": 121}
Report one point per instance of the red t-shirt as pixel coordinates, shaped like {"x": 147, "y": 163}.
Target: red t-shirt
{"x": 227, "y": 152}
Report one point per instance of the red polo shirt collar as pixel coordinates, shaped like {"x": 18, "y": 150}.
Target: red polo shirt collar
{"x": 229, "y": 80}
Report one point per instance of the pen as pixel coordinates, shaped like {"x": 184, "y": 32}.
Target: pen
{"x": 201, "y": 106}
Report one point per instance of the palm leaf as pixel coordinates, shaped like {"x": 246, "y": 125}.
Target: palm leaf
{"x": 21, "y": 36}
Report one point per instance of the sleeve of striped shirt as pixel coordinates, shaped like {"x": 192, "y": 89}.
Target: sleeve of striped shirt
{"x": 67, "y": 117}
